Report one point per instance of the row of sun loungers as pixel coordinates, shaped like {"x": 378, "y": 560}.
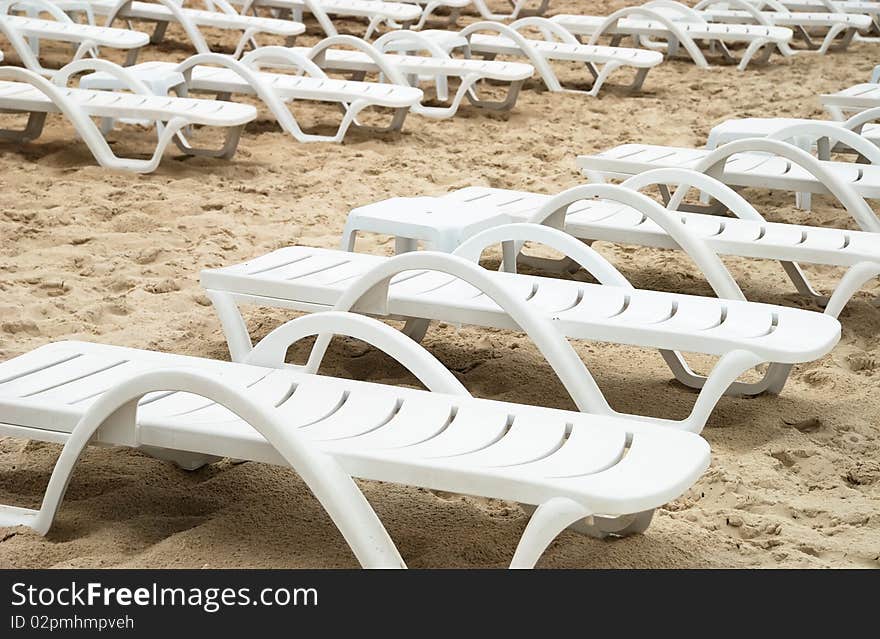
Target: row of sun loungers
{"x": 597, "y": 471}
{"x": 396, "y": 57}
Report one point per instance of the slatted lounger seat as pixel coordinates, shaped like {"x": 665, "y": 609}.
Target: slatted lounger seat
{"x": 644, "y": 25}
{"x": 450, "y": 288}
{"x": 377, "y": 12}
{"x": 23, "y": 91}
{"x": 409, "y": 59}
{"x": 593, "y": 473}
{"x": 25, "y": 33}
{"x": 491, "y": 39}
{"x": 220, "y": 75}
{"x": 165, "y": 12}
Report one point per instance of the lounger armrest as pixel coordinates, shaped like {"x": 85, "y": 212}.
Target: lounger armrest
{"x": 586, "y": 257}
{"x": 276, "y": 55}
{"x": 371, "y": 290}
{"x": 687, "y": 179}
{"x": 318, "y": 51}
{"x": 714, "y": 162}
{"x": 270, "y": 351}
{"x": 830, "y": 133}
{"x": 859, "y": 120}
{"x": 128, "y": 79}
{"x": 706, "y": 259}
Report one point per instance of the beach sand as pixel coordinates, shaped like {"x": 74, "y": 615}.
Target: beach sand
{"x": 106, "y": 256}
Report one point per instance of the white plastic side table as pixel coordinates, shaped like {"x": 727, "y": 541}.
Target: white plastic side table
{"x": 441, "y": 224}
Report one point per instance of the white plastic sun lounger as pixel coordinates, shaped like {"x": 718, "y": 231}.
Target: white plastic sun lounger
{"x": 557, "y": 45}
{"x": 165, "y": 12}
{"x": 24, "y": 34}
{"x": 580, "y": 212}
{"x": 765, "y": 163}
{"x": 592, "y": 473}
{"x": 424, "y": 286}
{"x": 23, "y": 91}
{"x": 376, "y": 12}
{"x": 223, "y": 76}
{"x": 394, "y": 57}
{"x": 645, "y": 24}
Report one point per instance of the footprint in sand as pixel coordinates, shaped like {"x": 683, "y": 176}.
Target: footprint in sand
{"x": 28, "y": 327}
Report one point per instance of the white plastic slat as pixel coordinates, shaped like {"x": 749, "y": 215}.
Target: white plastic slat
{"x": 64, "y": 372}
{"x": 599, "y": 303}
{"x": 646, "y": 309}
{"x": 414, "y": 423}
{"x": 36, "y": 361}
{"x": 360, "y": 413}
{"x": 175, "y": 404}
{"x": 80, "y": 389}
{"x": 694, "y": 314}
{"x": 554, "y": 296}
{"x": 473, "y": 428}
{"x": 747, "y": 321}
{"x": 528, "y": 439}
{"x": 586, "y": 450}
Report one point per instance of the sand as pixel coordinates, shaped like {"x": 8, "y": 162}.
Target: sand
{"x": 113, "y": 257}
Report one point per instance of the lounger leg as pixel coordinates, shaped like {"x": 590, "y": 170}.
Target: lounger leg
{"x": 851, "y": 282}
{"x": 131, "y": 57}
{"x": 802, "y": 33}
{"x": 561, "y": 265}
{"x": 415, "y": 329}
{"x": 182, "y": 459}
{"x": 31, "y": 131}
{"x": 158, "y": 33}
{"x": 829, "y": 44}
{"x": 802, "y": 284}
{"x": 639, "y": 80}
{"x": 603, "y": 527}
{"x": 234, "y": 328}
{"x": 405, "y": 245}
{"x": 396, "y": 124}
{"x": 349, "y": 238}
{"x": 751, "y": 52}
{"x": 772, "y": 382}
{"x": 233, "y": 135}
{"x": 505, "y": 105}
{"x": 550, "y": 519}
{"x": 607, "y": 70}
